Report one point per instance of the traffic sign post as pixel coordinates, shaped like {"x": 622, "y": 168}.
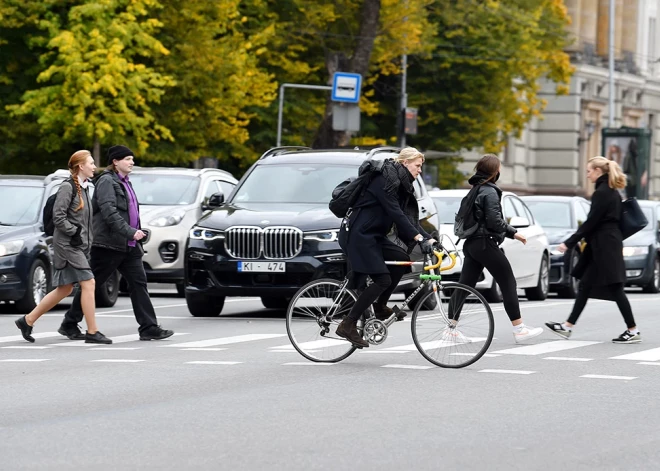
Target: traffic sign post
{"x": 346, "y": 87}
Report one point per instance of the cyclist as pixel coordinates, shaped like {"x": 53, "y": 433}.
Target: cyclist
{"x": 482, "y": 248}
{"x": 387, "y": 203}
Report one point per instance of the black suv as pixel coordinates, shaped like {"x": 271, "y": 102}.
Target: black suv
{"x": 25, "y": 250}
{"x": 275, "y": 233}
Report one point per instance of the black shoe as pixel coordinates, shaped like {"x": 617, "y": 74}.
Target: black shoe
{"x": 383, "y": 312}
{"x": 25, "y": 328}
{"x": 348, "y": 330}
{"x": 71, "y": 334}
{"x": 626, "y": 337}
{"x": 156, "y": 333}
{"x": 97, "y": 337}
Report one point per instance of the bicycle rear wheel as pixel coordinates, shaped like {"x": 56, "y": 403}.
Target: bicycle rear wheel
{"x": 458, "y": 331}
{"x": 312, "y": 319}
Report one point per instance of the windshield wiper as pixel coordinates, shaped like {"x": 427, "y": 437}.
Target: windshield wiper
{"x": 6, "y": 224}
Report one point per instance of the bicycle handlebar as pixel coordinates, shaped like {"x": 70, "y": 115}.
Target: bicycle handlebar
{"x": 441, "y": 256}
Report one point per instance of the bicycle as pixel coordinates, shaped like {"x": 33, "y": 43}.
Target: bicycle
{"x": 440, "y": 336}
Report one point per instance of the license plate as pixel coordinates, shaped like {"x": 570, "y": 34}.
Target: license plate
{"x": 269, "y": 267}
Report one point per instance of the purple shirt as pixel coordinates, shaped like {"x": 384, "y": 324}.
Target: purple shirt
{"x": 133, "y": 214}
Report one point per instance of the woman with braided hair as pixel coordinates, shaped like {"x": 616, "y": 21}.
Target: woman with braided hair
{"x": 72, "y": 242}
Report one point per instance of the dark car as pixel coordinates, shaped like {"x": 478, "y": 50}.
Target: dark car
{"x": 25, "y": 250}
{"x": 276, "y": 233}
{"x": 641, "y": 251}
{"x": 560, "y": 216}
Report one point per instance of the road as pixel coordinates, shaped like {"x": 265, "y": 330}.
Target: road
{"x": 229, "y": 393}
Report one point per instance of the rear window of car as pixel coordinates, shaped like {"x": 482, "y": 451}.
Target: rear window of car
{"x": 25, "y": 204}
{"x": 157, "y": 189}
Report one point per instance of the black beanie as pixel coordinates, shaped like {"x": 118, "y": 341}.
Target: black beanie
{"x": 118, "y": 153}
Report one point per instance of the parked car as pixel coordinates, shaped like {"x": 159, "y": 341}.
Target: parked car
{"x": 275, "y": 232}
{"x": 560, "y": 217}
{"x": 530, "y": 262}
{"x": 641, "y": 251}
{"x": 26, "y": 269}
{"x": 171, "y": 201}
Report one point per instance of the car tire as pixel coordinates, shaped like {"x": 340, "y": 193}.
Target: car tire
{"x": 540, "y": 291}
{"x": 493, "y": 294}
{"x": 181, "y": 290}
{"x": 275, "y": 302}
{"x": 201, "y": 305}
{"x": 571, "y": 290}
{"x": 429, "y": 304}
{"x": 38, "y": 286}
{"x": 653, "y": 286}
{"x": 107, "y": 293}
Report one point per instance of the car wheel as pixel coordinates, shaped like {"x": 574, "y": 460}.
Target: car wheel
{"x": 493, "y": 294}
{"x": 107, "y": 293}
{"x": 201, "y": 305}
{"x": 275, "y": 302}
{"x": 180, "y": 290}
{"x": 430, "y": 304}
{"x": 540, "y": 291}
{"x": 38, "y": 286}
{"x": 571, "y": 290}
{"x": 653, "y": 286}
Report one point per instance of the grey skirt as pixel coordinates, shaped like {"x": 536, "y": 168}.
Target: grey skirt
{"x": 69, "y": 275}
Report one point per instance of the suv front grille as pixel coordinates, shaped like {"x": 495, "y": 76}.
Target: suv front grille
{"x": 249, "y": 242}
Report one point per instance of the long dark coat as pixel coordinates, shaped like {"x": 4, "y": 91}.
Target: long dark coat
{"x": 363, "y": 237}
{"x": 602, "y": 263}
{"x": 67, "y": 218}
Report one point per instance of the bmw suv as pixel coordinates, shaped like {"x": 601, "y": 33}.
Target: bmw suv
{"x": 275, "y": 233}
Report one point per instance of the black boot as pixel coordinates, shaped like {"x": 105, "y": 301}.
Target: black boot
{"x": 383, "y": 312}
{"x": 25, "y": 328}
{"x": 348, "y": 330}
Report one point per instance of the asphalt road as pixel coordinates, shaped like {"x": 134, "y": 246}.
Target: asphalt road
{"x": 229, "y": 393}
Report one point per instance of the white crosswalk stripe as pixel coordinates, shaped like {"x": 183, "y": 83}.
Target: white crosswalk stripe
{"x": 645, "y": 355}
{"x": 39, "y": 335}
{"x": 115, "y": 340}
{"x": 546, "y": 347}
{"x": 225, "y": 340}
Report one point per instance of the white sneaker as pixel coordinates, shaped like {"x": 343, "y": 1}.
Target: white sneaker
{"x": 454, "y": 335}
{"x": 527, "y": 333}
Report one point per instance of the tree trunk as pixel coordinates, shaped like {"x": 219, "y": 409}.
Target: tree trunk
{"x": 96, "y": 152}
{"x": 359, "y": 64}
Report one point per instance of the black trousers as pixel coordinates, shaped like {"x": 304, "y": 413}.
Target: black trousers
{"x": 483, "y": 252}
{"x": 618, "y": 295}
{"x": 103, "y": 263}
{"x": 383, "y": 284}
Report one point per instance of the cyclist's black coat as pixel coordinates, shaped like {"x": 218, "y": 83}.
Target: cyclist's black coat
{"x": 488, "y": 211}
{"x": 372, "y": 219}
{"x": 602, "y": 262}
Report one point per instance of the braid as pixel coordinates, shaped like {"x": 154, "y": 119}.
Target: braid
{"x": 74, "y": 175}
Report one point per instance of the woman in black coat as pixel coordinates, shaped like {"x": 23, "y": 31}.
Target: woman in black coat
{"x": 601, "y": 265}
{"x": 388, "y": 202}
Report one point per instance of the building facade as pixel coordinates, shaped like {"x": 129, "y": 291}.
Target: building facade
{"x": 550, "y": 156}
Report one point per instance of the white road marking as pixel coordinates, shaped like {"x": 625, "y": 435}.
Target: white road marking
{"x": 434, "y": 344}
{"x": 408, "y": 367}
{"x": 115, "y": 340}
{"x": 568, "y": 358}
{"x": 307, "y": 363}
{"x": 11, "y": 360}
{"x": 206, "y": 362}
{"x": 382, "y": 351}
{"x": 105, "y": 349}
{"x": 510, "y": 372}
{"x": 42, "y": 335}
{"x": 225, "y": 340}
{"x": 625, "y": 378}
{"x": 547, "y": 347}
{"x": 203, "y": 349}
{"x": 489, "y": 355}
{"x": 116, "y": 360}
{"x": 656, "y": 363}
{"x": 312, "y": 344}
{"x": 26, "y": 347}
{"x": 645, "y": 355}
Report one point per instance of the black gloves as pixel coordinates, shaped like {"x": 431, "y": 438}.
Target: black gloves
{"x": 426, "y": 246}
{"x": 76, "y": 239}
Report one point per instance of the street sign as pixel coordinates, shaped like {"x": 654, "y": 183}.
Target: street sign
{"x": 345, "y": 117}
{"x": 346, "y": 87}
{"x": 410, "y": 121}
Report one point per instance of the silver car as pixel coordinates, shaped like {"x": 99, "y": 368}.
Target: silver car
{"x": 171, "y": 202}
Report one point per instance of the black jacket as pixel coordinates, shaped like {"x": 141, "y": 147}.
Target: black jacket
{"x": 488, "y": 212}
{"x": 601, "y": 263}
{"x": 363, "y": 234}
{"x": 111, "y": 220}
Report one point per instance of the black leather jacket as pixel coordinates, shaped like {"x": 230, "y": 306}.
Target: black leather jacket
{"x": 488, "y": 212}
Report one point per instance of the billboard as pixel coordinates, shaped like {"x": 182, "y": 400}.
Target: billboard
{"x": 630, "y": 148}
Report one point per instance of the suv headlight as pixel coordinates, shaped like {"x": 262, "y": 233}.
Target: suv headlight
{"x": 168, "y": 219}
{"x": 322, "y": 236}
{"x": 11, "y": 248}
{"x": 632, "y": 251}
{"x": 202, "y": 233}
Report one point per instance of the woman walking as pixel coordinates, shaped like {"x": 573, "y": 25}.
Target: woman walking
{"x": 72, "y": 241}
{"x": 601, "y": 264}
{"x": 482, "y": 248}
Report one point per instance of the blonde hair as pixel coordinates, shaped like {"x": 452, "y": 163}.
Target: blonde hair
{"x": 409, "y": 154}
{"x": 616, "y": 179}
{"x": 76, "y": 160}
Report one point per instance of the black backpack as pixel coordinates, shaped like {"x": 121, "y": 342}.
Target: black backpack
{"x": 346, "y": 194}
{"x": 49, "y": 225}
{"x": 465, "y": 223}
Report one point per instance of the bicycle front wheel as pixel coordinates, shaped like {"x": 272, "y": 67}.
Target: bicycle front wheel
{"x": 458, "y": 331}
{"x": 312, "y": 319}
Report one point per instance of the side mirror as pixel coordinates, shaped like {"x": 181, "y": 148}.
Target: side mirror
{"x": 215, "y": 201}
{"x": 519, "y": 222}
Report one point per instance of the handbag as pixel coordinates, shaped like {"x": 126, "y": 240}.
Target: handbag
{"x": 632, "y": 218}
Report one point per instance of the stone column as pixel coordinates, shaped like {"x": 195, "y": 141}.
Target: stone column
{"x": 629, "y": 29}
{"x": 589, "y": 24}
{"x": 604, "y": 28}
{"x": 574, "y": 7}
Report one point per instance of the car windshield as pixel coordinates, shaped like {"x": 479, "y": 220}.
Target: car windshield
{"x": 25, "y": 204}
{"x": 157, "y": 189}
{"x": 292, "y": 183}
{"x": 551, "y": 213}
{"x": 447, "y": 208}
